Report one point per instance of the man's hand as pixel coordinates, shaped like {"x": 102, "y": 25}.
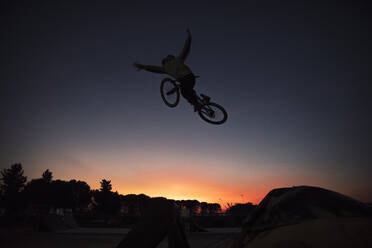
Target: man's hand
{"x": 138, "y": 66}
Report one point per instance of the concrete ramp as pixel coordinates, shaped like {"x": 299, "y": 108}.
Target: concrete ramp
{"x": 306, "y": 216}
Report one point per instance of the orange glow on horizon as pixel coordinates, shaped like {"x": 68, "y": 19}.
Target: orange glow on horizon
{"x": 181, "y": 178}
{"x": 188, "y": 187}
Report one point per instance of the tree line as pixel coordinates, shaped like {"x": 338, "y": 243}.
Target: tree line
{"x": 40, "y": 195}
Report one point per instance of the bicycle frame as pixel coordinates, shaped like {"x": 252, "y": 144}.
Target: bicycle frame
{"x": 178, "y": 86}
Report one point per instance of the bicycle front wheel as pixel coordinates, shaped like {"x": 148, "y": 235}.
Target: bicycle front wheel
{"x": 213, "y": 113}
{"x": 169, "y": 92}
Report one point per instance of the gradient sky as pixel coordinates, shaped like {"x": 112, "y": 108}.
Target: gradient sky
{"x": 293, "y": 76}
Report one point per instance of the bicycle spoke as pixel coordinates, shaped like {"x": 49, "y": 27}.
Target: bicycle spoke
{"x": 172, "y": 91}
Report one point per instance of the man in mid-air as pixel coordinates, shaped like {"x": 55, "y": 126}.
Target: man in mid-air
{"x": 175, "y": 67}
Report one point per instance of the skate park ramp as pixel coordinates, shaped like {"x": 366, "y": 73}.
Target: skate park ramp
{"x": 306, "y": 216}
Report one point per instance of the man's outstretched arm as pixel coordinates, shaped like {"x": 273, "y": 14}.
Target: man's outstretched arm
{"x": 186, "y": 47}
{"x": 150, "y": 68}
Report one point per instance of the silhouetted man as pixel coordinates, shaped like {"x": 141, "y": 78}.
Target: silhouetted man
{"x": 175, "y": 67}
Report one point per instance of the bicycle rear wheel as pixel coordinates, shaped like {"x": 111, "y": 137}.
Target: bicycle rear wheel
{"x": 169, "y": 92}
{"x": 213, "y": 113}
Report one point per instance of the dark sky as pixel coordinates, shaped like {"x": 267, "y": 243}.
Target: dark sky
{"x": 293, "y": 76}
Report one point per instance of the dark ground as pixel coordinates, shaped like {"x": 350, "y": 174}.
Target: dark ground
{"x": 97, "y": 238}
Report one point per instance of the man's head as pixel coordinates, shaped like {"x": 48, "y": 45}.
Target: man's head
{"x": 170, "y": 57}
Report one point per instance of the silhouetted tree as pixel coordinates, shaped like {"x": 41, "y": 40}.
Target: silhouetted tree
{"x": 38, "y": 194}
{"x": 131, "y": 204}
{"x": 106, "y": 185}
{"x": 13, "y": 182}
{"x": 204, "y": 208}
{"x": 107, "y": 201}
{"x": 213, "y": 208}
{"x": 239, "y": 211}
{"x": 61, "y": 194}
{"x": 47, "y": 176}
{"x": 191, "y": 205}
{"x": 81, "y": 194}
{"x": 209, "y": 208}
{"x": 12, "y": 179}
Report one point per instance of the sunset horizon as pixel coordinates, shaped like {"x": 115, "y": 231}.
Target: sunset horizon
{"x": 192, "y": 187}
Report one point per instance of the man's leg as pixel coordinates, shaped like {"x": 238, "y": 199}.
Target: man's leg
{"x": 189, "y": 94}
{"x": 187, "y": 90}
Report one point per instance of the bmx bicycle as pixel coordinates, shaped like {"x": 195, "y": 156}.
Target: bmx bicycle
{"x": 209, "y": 111}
